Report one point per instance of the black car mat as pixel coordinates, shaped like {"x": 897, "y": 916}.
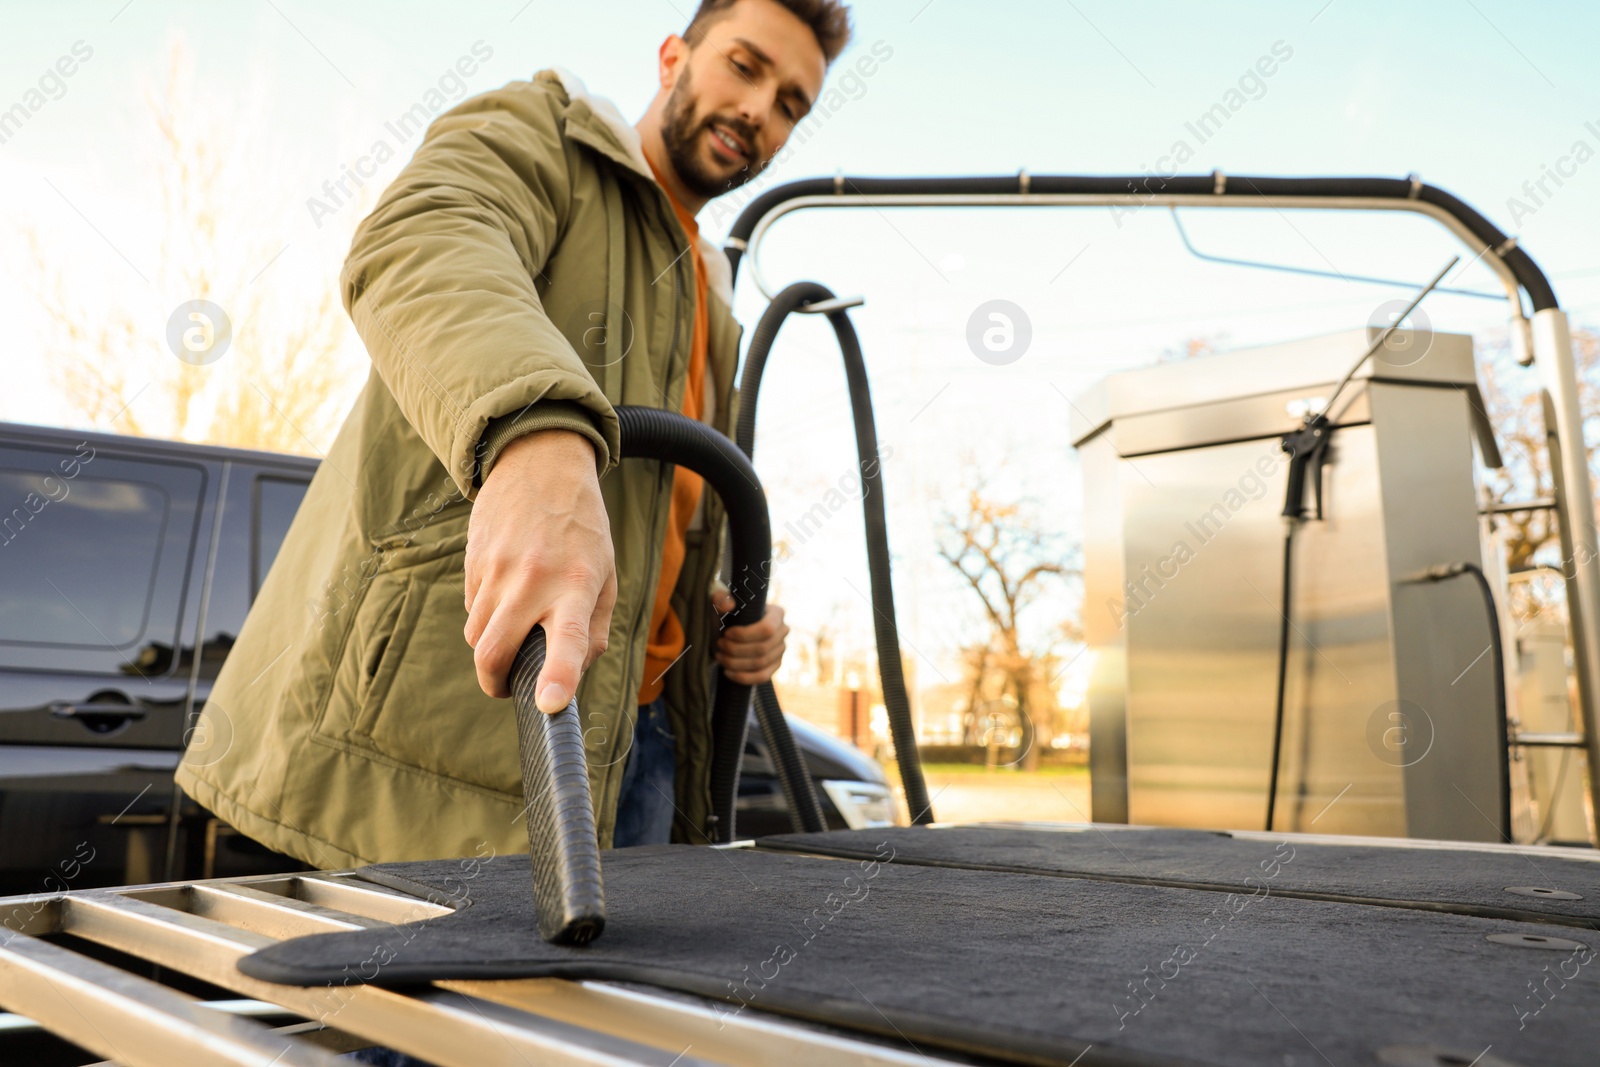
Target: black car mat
{"x": 1019, "y": 967}
{"x": 1463, "y": 881}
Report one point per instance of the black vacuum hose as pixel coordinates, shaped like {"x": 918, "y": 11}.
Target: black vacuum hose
{"x": 1284, "y": 606}
{"x": 1451, "y": 570}
{"x": 1307, "y": 449}
{"x": 895, "y": 697}
{"x": 652, "y": 433}
{"x": 568, "y": 890}
{"x": 1497, "y": 650}
{"x": 799, "y": 791}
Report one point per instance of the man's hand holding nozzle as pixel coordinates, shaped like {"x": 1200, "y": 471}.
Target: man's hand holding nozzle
{"x": 539, "y": 552}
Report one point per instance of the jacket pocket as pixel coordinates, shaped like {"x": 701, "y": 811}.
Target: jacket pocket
{"x": 382, "y": 604}
{"x": 423, "y": 708}
{"x": 385, "y": 648}
{"x": 370, "y": 608}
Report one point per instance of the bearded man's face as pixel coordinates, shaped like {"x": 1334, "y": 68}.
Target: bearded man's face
{"x": 742, "y": 88}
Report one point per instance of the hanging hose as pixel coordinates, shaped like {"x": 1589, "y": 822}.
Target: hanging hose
{"x": 799, "y": 791}
{"x": 1308, "y": 455}
{"x": 1432, "y": 574}
{"x": 1451, "y": 570}
{"x": 651, "y": 433}
{"x": 895, "y": 697}
{"x": 1307, "y": 449}
{"x": 1284, "y": 607}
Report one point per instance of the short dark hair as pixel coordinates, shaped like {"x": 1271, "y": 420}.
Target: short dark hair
{"x": 829, "y": 21}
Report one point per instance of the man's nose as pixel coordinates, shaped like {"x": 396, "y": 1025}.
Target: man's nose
{"x": 753, "y": 109}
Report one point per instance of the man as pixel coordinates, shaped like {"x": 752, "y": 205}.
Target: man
{"x": 536, "y": 263}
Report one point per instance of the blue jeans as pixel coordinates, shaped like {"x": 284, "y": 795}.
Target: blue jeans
{"x": 645, "y": 804}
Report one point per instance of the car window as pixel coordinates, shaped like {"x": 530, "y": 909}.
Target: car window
{"x": 277, "y": 499}
{"x": 258, "y": 511}
{"x": 79, "y": 567}
{"x": 93, "y": 558}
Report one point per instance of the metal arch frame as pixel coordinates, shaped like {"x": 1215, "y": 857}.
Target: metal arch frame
{"x": 1543, "y": 338}
{"x": 1485, "y": 251}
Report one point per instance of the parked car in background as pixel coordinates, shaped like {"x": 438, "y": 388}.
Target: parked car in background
{"x": 116, "y": 555}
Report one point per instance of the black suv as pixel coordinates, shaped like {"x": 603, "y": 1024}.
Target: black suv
{"x": 114, "y": 553}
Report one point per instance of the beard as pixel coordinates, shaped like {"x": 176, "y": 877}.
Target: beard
{"x": 680, "y": 134}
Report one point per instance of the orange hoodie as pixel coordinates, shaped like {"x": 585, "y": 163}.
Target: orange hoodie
{"x": 665, "y": 643}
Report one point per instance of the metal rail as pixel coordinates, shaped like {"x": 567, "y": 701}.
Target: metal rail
{"x": 201, "y": 929}
{"x": 1544, "y": 338}
{"x": 1550, "y": 740}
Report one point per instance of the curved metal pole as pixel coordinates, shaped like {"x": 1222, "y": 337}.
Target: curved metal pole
{"x": 1546, "y": 339}
{"x": 1487, "y": 253}
{"x": 1569, "y": 464}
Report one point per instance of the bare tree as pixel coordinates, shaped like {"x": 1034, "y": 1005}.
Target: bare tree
{"x": 975, "y": 658}
{"x": 1008, "y": 561}
{"x": 281, "y": 384}
{"x": 1515, "y": 408}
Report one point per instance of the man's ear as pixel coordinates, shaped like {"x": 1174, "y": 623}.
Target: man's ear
{"x": 673, "y": 56}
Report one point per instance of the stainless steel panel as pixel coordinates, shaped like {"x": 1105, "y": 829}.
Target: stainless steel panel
{"x": 1203, "y": 547}
{"x": 1389, "y": 725}
{"x": 1246, "y": 419}
{"x": 1305, "y": 366}
{"x": 1445, "y": 671}
{"x": 1103, "y": 578}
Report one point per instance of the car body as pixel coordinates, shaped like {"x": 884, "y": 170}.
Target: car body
{"x": 114, "y": 552}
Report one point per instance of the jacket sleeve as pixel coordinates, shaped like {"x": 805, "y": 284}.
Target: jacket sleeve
{"x": 440, "y": 285}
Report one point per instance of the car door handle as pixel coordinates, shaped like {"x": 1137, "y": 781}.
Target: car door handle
{"x": 64, "y": 710}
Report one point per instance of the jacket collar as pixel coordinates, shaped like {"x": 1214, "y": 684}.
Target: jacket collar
{"x": 596, "y": 122}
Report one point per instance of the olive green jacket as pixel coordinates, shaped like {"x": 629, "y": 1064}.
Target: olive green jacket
{"x": 523, "y": 271}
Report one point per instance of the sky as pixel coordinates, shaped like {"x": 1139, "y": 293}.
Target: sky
{"x": 1477, "y": 96}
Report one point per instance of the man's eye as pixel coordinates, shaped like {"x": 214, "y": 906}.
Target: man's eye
{"x": 740, "y": 67}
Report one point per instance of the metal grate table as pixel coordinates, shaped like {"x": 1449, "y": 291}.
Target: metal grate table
{"x": 200, "y": 929}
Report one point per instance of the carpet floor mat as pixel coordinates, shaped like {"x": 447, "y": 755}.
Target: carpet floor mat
{"x": 1531, "y": 884}
{"x": 1024, "y": 968}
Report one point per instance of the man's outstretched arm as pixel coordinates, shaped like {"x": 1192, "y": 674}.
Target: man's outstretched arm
{"x": 439, "y": 282}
